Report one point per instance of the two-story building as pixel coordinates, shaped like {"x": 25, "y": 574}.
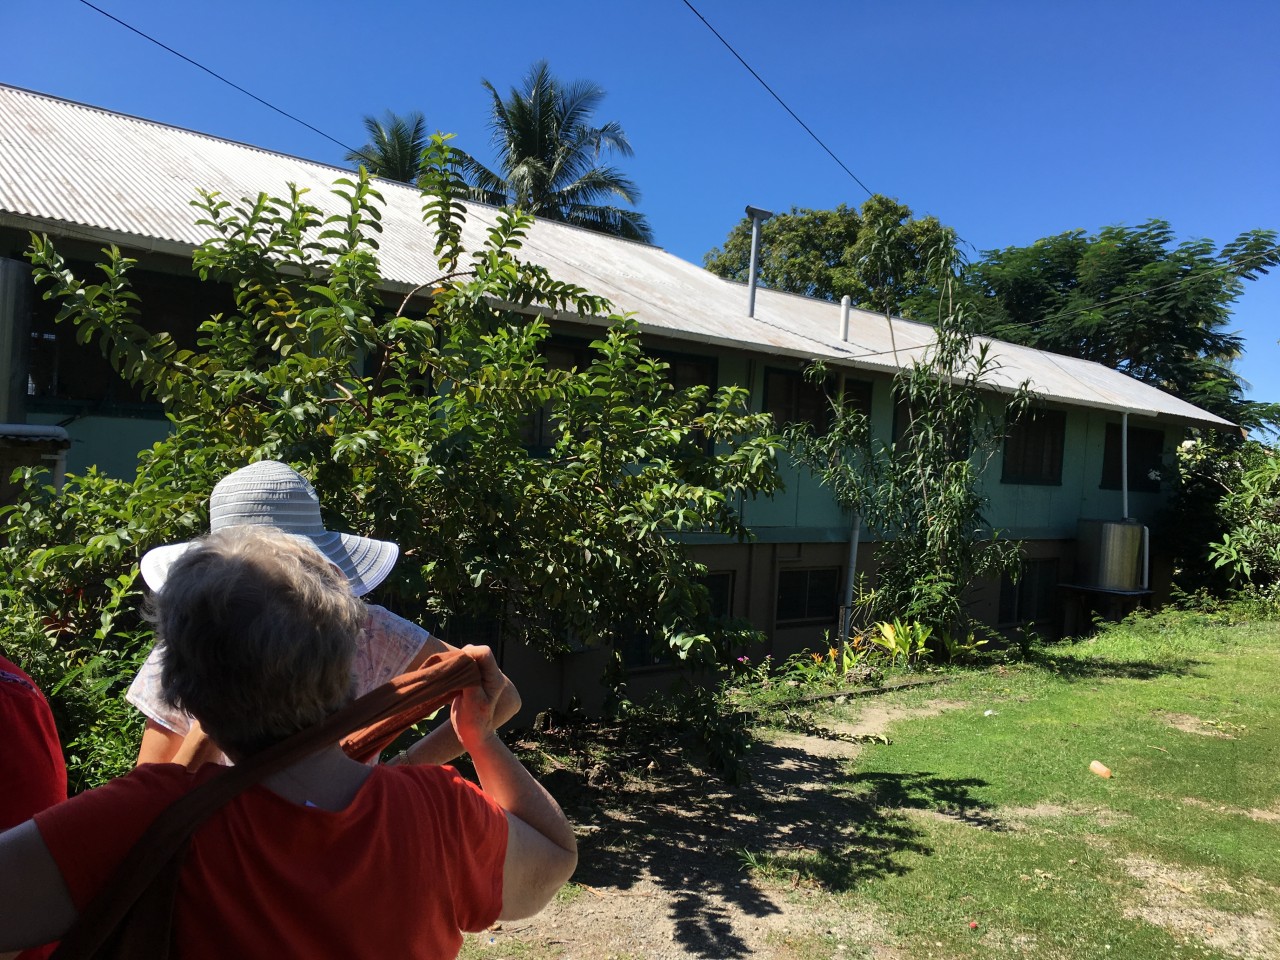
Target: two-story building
{"x": 89, "y": 177}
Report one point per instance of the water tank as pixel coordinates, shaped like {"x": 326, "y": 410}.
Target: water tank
{"x": 1109, "y": 554}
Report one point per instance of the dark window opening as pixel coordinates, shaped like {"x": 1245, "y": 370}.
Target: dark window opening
{"x": 687, "y": 371}
{"x": 808, "y": 595}
{"x": 540, "y": 429}
{"x": 720, "y": 586}
{"x": 64, "y": 376}
{"x": 857, "y": 396}
{"x": 683, "y": 372}
{"x": 1033, "y": 599}
{"x": 1033, "y": 448}
{"x": 793, "y": 399}
{"x": 1146, "y": 459}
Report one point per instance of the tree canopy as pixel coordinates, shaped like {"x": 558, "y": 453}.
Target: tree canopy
{"x": 410, "y": 417}
{"x": 881, "y": 256}
{"x": 1132, "y": 298}
{"x": 395, "y": 147}
{"x": 548, "y": 157}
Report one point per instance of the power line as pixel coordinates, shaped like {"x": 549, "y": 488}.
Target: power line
{"x": 183, "y": 56}
{"x": 816, "y": 138}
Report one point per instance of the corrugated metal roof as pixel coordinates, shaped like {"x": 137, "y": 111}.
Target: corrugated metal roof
{"x": 90, "y": 172}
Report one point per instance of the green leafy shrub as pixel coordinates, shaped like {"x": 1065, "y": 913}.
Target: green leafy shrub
{"x": 409, "y": 415}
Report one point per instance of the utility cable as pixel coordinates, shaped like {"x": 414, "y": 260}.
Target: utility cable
{"x": 218, "y": 76}
{"x": 816, "y": 138}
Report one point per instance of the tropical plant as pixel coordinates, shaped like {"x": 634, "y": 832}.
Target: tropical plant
{"x": 548, "y": 157}
{"x": 1250, "y": 548}
{"x": 962, "y": 647}
{"x": 921, "y": 491}
{"x": 409, "y": 419}
{"x": 395, "y": 148}
{"x": 908, "y": 642}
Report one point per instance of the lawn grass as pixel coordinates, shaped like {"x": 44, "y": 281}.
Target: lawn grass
{"x": 1011, "y": 831}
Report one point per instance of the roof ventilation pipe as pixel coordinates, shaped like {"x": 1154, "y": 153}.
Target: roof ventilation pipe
{"x": 758, "y": 217}
{"x": 845, "y": 303}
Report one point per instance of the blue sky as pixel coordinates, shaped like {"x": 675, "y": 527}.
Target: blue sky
{"x": 1009, "y": 121}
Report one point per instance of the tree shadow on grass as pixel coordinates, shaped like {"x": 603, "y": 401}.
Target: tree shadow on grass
{"x": 800, "y": 820}
{"x": 1087, "y": 668}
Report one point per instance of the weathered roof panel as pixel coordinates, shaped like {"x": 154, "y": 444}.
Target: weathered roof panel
{"x": 113, "y": 176}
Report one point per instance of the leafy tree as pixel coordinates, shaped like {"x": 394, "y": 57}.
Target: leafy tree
{"x": 880, "y": 256}
{"x": 549, "y": 157}
{"x": 1249, "y": 547}
{"x": 407, "y": 416}
{"x": 1134, "y": 300}
{"x": 395, "y": 147}
{"x": 921, "y": 491}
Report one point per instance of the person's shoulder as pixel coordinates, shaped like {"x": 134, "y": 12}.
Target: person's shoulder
{"x": 381, "y": 621}
{"x": 13, "y": 679}
{"x": 163, "y": 778}
{"x": 141, "y": 793}
{"x": 410, "y": 775}
{"x": 382, "y": 616}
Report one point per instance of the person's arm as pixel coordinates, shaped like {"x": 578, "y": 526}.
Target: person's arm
{"x": 35, "y": 905}
{"x": 159, "y": 744}
{"x": 542, "y": 851}
{"x": 442, "y": 745}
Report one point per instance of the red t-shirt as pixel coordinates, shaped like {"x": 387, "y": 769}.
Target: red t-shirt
{"x": 412, "y": 861}
{"x": 32, "y": 772}
{"x": 31, "y": 766}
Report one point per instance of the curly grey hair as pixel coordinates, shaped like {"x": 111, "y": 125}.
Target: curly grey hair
{"x": 259, "y": 632}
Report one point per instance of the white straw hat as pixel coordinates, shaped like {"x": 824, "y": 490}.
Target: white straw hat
{"x": 273, "y": 494}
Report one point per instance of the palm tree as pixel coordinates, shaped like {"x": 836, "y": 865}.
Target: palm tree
{"x": 549, "y": 153}
{"x": 394, "y": 150}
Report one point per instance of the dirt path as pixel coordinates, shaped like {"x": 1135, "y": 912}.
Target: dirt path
{"x": 662, "y": 866}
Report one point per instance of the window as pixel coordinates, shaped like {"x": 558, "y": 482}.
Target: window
{"x": 720, "y": 586}
{"x": 857, "y": 395}
{"x": 539, "y": 430}
{"x": 808, "y": 595}
{"x": 1033, "y": 448}
{"x": 687, "y": 371}
{"x": 793, "y": 399}
{"x": 65, "y": 376}
{"x": 683, "y": 372}
{"x": 1033, "y": 598}
{"x": 1146, "y": 459}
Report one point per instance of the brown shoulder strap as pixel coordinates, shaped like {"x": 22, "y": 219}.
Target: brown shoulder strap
{"x": 412, "y": 695}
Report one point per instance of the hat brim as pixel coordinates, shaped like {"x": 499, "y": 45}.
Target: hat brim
{"x": 365, "y": 562}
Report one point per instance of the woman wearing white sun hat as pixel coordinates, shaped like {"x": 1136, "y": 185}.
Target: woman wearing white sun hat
{"x": 269, "y": 493}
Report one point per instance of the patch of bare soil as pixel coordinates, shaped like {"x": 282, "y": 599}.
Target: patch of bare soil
{"x": 1189, "y": 723}
{"x": 1271, "y": 815}
{"x": 1172, "y": 898}
{"x": 663, "y": 859}
{"x": 1023, "y": 818}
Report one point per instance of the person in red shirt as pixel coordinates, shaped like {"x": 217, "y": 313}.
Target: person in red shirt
{"x": 32, "y": 769}
{"x": 31, "y": 765}
{"x": 328, "y": 857}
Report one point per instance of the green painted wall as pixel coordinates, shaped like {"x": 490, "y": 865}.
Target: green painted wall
{"x": 109, "y": 443}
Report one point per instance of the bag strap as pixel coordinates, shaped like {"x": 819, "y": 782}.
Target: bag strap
{"x": 412, "y": 695}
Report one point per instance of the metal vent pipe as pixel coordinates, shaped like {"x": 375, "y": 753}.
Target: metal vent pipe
{"x": 758, "y": 217}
